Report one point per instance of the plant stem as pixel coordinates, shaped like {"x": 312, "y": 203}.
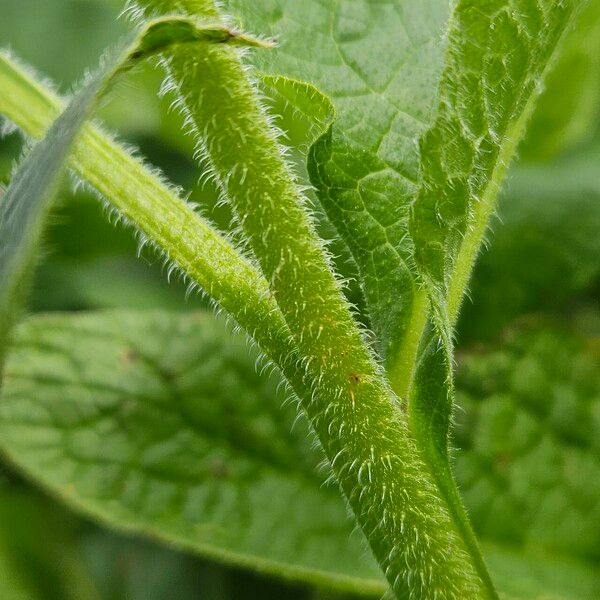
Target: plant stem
{"x": 165, "y": 219}
{"x": 354, "y": 414}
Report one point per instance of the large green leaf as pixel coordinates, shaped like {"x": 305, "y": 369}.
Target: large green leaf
{"x": 160, "y": 424}
{"x": 379, "y": 62}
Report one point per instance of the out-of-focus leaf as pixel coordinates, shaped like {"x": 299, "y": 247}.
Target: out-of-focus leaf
{"x": 30, "y": 28}
{"x": 40, "y": 558}
{"x": 528, "y": 432}
{"x": 544, "y": 251}
{"x": 12, "y": 584}
{"x": 25, "y": 205}
{"x": 160, "y": 423}
{"x": 537, "y": 575}
{"x": 569, "y": 108}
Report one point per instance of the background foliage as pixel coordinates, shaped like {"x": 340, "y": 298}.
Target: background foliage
{"x": 529, "y": 351}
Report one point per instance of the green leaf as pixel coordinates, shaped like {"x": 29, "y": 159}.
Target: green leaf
{"x": 496, "y": 60}
{"x": 569, "y": 107}
{"x": 549, "y": 213}
{"x": 12, "y": 584}
{"x": 160, "y": 424}
{"x": 539, "y": 575}
{"x": 529, "y": 428}
{"x": 26, "y": 204}
{"x": 302, "y": 112}
{"x": 529, "y": 460}
{"x": 379, "y": 62}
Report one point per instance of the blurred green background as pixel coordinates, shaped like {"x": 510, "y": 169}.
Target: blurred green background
{"x": 543, "y": 263}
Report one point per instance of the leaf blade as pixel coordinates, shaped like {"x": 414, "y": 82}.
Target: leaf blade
{"x": 366, "y": 170}
{"x": 147, "y": 346}
{"x": 211, "y": 427}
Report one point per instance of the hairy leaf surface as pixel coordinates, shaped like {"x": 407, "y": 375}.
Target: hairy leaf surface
{"x": 379, "y": 62}
{"x": 498, "y": 54}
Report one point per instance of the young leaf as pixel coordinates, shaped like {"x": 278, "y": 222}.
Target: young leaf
{"x": 497, "y": 57}
{"x": 302, "y": 107}
{"x": 380, "y": 63}
{"x": 496, "y": 60}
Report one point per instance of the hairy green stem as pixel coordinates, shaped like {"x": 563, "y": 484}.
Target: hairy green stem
{"x": 407, "y": 526}
{"x": 165, "y": 219}
{"x": 355, "y": 415}
{"x": 32, "y": 190}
